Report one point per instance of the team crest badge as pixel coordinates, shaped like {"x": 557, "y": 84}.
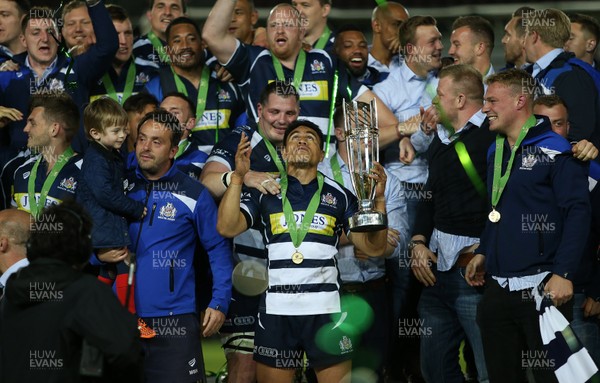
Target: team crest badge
{"x": 167, "y": 212}
{"x": 68, "y": 184}
{"x": 329, "y": 200}
{"x": 345, "y": 345}
{"x": 142, "y": 78}
{"x": 224, "y": 95}
{"x": 317, "y": 67}
{"x": 528, "y": 161}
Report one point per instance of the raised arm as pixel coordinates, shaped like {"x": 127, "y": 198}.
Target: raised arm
{"x": 215, "y": 32}
{"x": 231, "y": 221}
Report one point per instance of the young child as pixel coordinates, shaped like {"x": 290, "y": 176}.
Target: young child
{"x": 101, "y": 191}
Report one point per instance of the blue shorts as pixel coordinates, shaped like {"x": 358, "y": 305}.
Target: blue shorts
{"x": 280, "y": 341}
{"x": 175, "y": 353}
{"x": 241, "y": 316}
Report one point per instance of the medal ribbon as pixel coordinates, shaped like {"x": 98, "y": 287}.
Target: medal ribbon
{"x": 500, "y": 181}
{"x": 202, "y": 90}
{"x": 183, "y": 145}
{"x": 336, "y": 169}
{"x": 298, "y": 70}
{"x": 298, "y": 234}
{"x": 127, "y": 91}
{"x": 34, "y": 207}
{"x": 158, "y": 46}
{"x": 323, "y": 39}
{"x": 274, "y": 155}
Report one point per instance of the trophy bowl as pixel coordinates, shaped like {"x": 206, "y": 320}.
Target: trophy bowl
{"x": 362, "y": 143}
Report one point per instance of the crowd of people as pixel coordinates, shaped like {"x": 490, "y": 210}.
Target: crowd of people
{"x": 174, "y": 167}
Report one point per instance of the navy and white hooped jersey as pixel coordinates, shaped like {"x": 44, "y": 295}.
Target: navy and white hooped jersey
{"x": 143, "y": 74}
{"x": 64, "y": 186}
{"x": 253, "y": 68}
{"x": 311, "y": 287}
{"x": 224, "y": 104}
{"x": 249, "y": 244}
{"x": 147, "y": 54}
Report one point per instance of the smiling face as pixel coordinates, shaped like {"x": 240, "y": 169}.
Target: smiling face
{"x": 500, "y": 105}
{"x": 78, "y": 29}
{"x": 275, "y": 116}
{"x": 426, "y": 52}
{"x": 351, "y": 47}
{"x": 462, "y": 46}
{"x": 185, "y": 46}
{"x": 42, "y": 48}
{"x": 162, "y": 13}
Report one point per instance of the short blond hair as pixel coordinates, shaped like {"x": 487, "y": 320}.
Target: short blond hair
{"x": 103, "y": 113}
{"x": 552, "y": 25}
{"x": 519, "y": 81}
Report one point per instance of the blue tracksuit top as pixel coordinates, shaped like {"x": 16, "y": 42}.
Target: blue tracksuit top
{"x": 181, "y": 215}
{"x": 545, "y": 209}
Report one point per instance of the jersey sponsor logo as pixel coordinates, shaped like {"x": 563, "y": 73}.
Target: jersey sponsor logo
{"x": 329, "y": 200}
{"x": 167, "y": 212}
{"x": 321, "y": 223}
{"x": 22, "y": 201}
{"x": 317, "y": 67}
{"x": 314, "y": 90}
{"x": 266, "y": 351}
{"x": 68, "y": 184}
{"x": 211, "y": 118}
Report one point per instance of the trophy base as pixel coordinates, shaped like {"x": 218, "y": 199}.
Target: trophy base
{"x": 363, "y": 222}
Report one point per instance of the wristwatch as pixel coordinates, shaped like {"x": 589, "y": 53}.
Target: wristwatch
{"x": 414, "y": 242}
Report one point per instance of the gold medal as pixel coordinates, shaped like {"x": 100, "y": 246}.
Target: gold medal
{"x": 494, "y": 216}
{"x": 297, "y": 257}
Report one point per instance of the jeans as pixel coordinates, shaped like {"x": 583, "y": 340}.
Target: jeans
{"x": 448, "y": 312}
{"x": 586, "y": 329}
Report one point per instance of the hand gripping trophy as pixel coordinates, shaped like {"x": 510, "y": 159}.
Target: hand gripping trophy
{"x": 362, "y": 143}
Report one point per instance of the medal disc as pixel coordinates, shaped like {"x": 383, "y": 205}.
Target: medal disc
{"x": 494, "y": 216}
{"x": 297, "y": 257}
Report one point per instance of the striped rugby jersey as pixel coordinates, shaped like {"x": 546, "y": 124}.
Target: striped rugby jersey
{"x": 253, "y": 68}
{"x": 311, "y": 287}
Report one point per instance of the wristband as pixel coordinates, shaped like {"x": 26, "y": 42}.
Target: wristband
{"x": 226, "y": 179}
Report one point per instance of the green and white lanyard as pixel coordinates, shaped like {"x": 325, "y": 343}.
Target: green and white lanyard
{"x": 500, "y": 180}
{"x": 34, "y": 207}
{"x": 158, "y": 46}
{"x": 129, "y": 83}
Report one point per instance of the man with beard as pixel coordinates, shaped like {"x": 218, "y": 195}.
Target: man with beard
{"x": 127, "y": 76}
{"x": 217, "y": 104}
{"x": 351, "y": 48}
{"x": 513, "y": 39}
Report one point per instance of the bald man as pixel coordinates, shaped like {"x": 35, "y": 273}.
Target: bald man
{"x": 385, "y": 23}
{"x": 14, "y": 232}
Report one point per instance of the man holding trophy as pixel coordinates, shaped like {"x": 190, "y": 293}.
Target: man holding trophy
{"x": 302, "y": 226}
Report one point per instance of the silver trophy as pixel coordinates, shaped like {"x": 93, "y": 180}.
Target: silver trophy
{"x": 362, "y": 143}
